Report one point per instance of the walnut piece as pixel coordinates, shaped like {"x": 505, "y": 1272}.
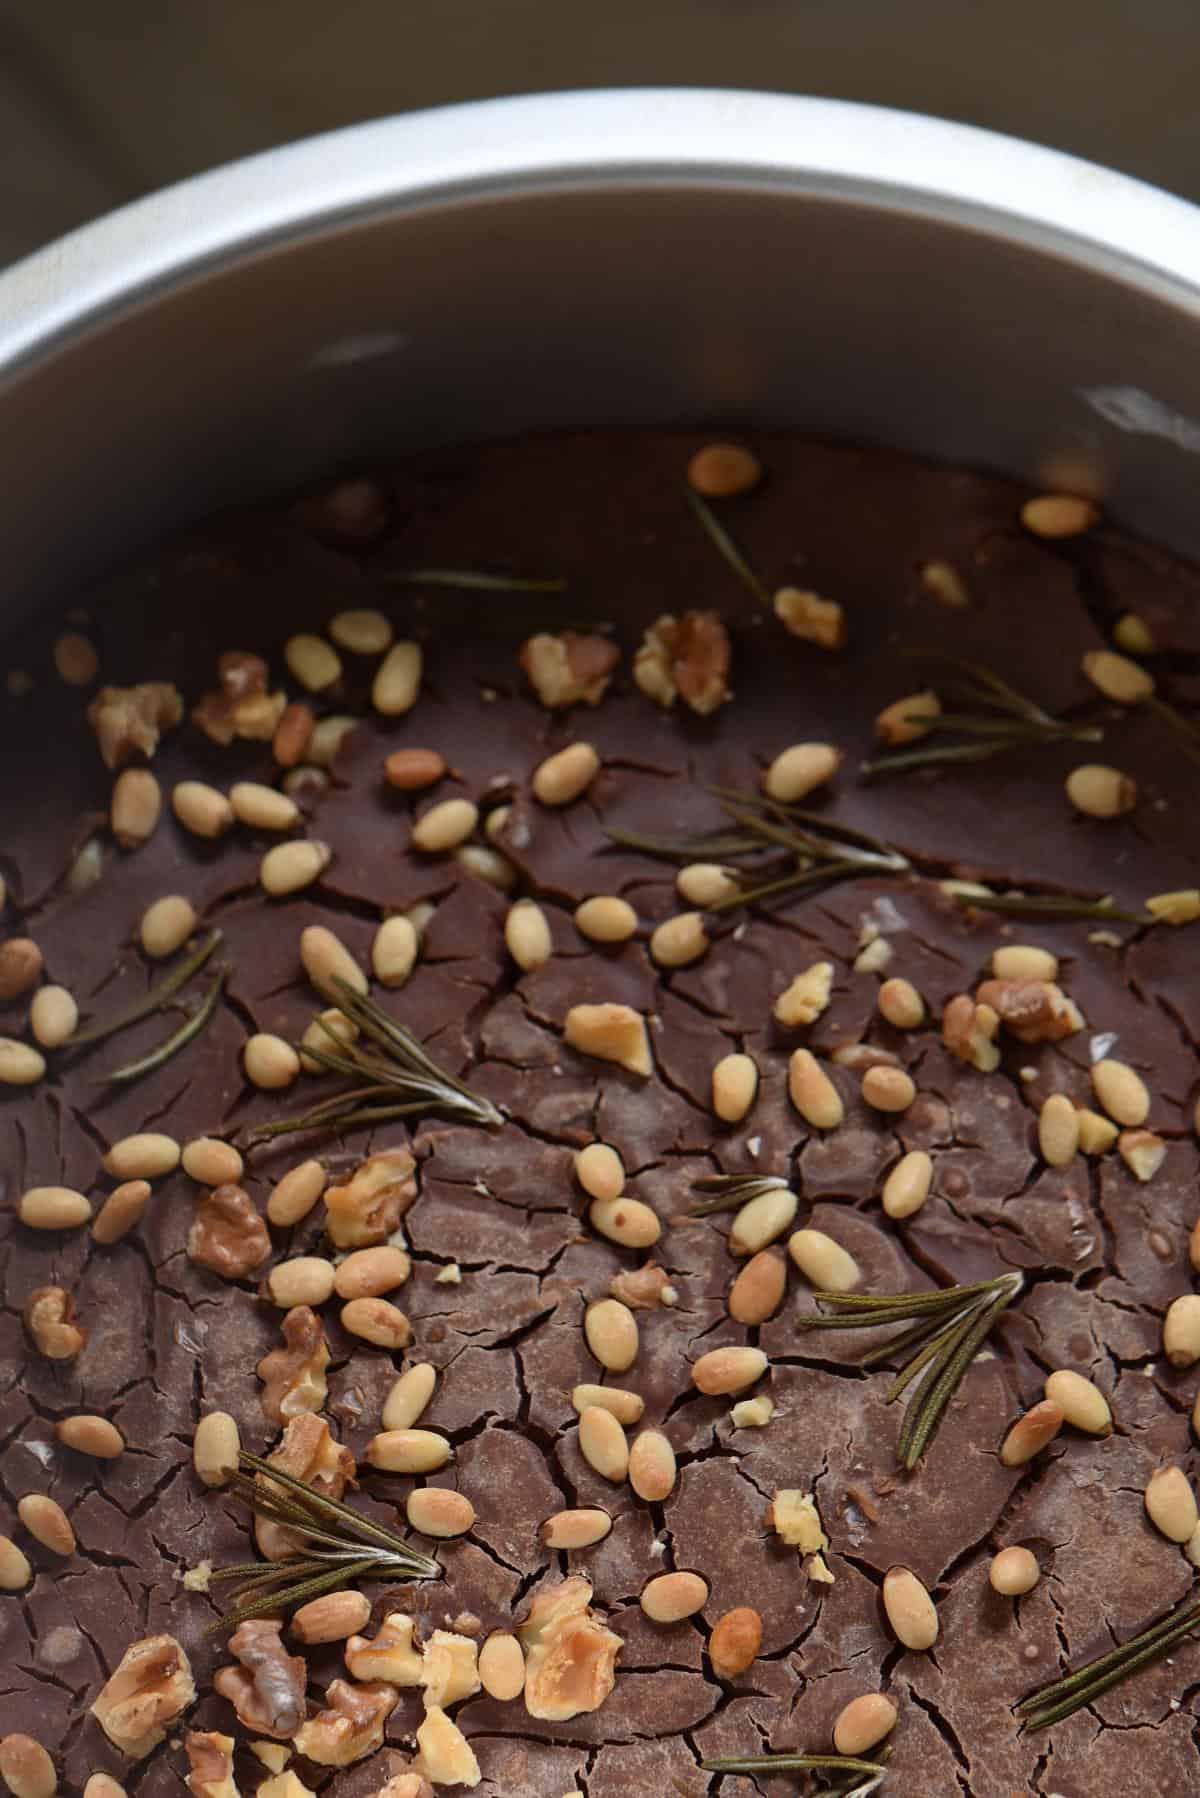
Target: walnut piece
{"x": 227, "y": 1233}
{"x": 267, "y": 1689}
{"x": 50, "y": 1320}
{"x": 1034, "y": 1011}
{"x": 129, "y": 720}
{"x": 807, "y": 615}
{"x": 367, "y": 1209}
{"x": 793, "y": 1515}
{"x": 451, "y": 1668}
{"x": 969, "y": 1031}
{"x": 686, "y": 657}
{"x": 446, "y": 1757}
{"x": 210, "y": 1757}
{"x": 391, "y": 1655}
{"x": 150, "y": 1688}
{"x": 241, "y": 705}
{"x": 406, "y": 1785}
{"x": 643, "y": 1288}
{"x": 568, "y": 669}
{"x": 285, "y": 1785}
{"x": 294, "y": 1376}
{"x": 570, "y": 1657}
{"x": 350, "y": 1726}
{"x": 310, "y": 1452}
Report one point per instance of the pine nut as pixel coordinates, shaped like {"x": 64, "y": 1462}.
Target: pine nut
{"x": 261, "y": 807}
{"x": 47, "y": 1523}
{"x": 303, "y": 1280}
{"x": 121, "y": 1210}
{"x": 325, "y": 958}
{"x": 408, "y": 1451}
{"x": 611, "y": 1332}
{"x": 1096, "y": 1134}
{"x": 25, "y": 1766}
{"x": 888, "y": 1089}
{"x": 436, "y": 1511}
{"x": 145, "y": 1156}
{"x": 1099, "y": 791}
{"x": 377, "y": 1321}
{"x": 907, "y": 1186}
{"x": 1013, "y": 1572}
{"x": 1121, "y": 1092}
{"x": 1181, "y": 1331}
{"x": 721, "y": 470}
{"x": 759, "y": 1221}
{"x": 1117, "y": 677}
{"x": 1081, "y": 1402}
{"x": 15, "y": 1571}
{"x": 1058, "y": 1131}
{"x": 599, "y": 1171}
{"x": 211, "y": 1161}
{"x": 397, "y": 682}
{"x": 758, "y": 1291}
{"x": 1180, "y": 907}
{"x": 626, "y": 1221}
{"x": 901, "y": 1005}
{"x": 807, "y": 996}
{"x": 295, "y": 1195}
{"x": 942, "y": 581}
{"x": 53, "y": 1208}
{"x": 290, "y": 867}
{"x": 908, "y": 719}
{"x": 369, "y": 1273}
{"x": 93, "y": 1436}
{"x": 502, "y": 1667}
{"x": 444, "y": 826}
{"x": 734, "y": 1087}
{"x": 166, "y": 925}
{"x": 1030, "y": 1434}
{"x": 394, "y": 951}
{"x": 312, "y": 661}
{"x": 333, "y": 1617}
{"x": 563, "y": 777}
{"x": 527, "y": 935}
{"x": 409, "y": 1396}
{"x": 910, "y": 1610}
{"x": 270, "y": 1063}
{"x": 328, "y": 737}
{"x": 201, "y": 809}
{"x": 610, "y": 1033}
{"x": 825, "y": 1264}
{"x": 670, "y": 1597}
{"x": 135, "y": 807}
{"x": 606, "y": 919}
{"x": 102, "y": 1785}
{"x": 734, "y": 1644}
{"x": 679, "y": 941}
{"x": 1132, "y": 634}
{"x": 362, "y": 630}
{"x": 19, "y": 1064}
{"x": 327, "y": 1029}
{"x": 1171, "y": 1504}
{"x": 576, "y": 1529}
{"x": 863, "y": 1723}
{"x": 725, "y": 1370}
{"x": 1023, "y": 961}
{"x": 602, "y": 1443}
{"x": 703, "y": 883}
{"x": 652, "y": 1466}
{"x": 1059, "y": 515}
{"x": 20, "y": 966}
{"x": 216, "y": 1445}
{"x": 53, "y": 1016}
{"x": 412, "y": 770}
{"x": 798, "y": 771}
{"x": 627, "y": 1407}
{"x": 292, "y": 734}
{"x": 812, "y": 1092}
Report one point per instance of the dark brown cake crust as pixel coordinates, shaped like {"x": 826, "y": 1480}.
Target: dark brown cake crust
{"x": 1103, "y": 1256}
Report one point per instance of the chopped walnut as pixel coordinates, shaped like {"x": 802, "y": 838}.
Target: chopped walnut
{"x": 267, "y": 1689}
{"x": 227, "y": 1233}
{"x": 446, "y": 1757}
{"x": 273, "y": 1755}
{"x": 406, "y": 1785}
{"x": 686, "y": 657}
{"x": 969, "y": 1030}
{"x": 367, "y": 1209}
{"x": 149, "y": 1690}
{"x": 310, "y": 1452}
{"x": 294, "y": 1376}
{"x": 807, "y": 615}
{"x": 391, "y": 1656}
{"x": 241, "y": 705}
{"x": 210, "y": 1757}
{"x": 807, "y": 997}
{"x": 350, "y": 1726}
{"x": 570, "y": 1657}
{"x": 1034, "y": 1011}
{"x": 129, "y": 720}
{"x": 50, "y": 1320}
{"x": 793, "y": 1516}
{"x": 644, "y": 1288}
{"x": 569, "y": 669}
{"x": 451, "y": 1668}
{"x": 285, "y": 1785}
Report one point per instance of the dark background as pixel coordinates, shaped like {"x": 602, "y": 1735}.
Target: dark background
{"x": 102, "y": 100}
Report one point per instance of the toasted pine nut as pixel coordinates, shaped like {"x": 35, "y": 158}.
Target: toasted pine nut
{"x": 734, "y": 1644}
{"x": 135, "y": 807}
{"x": 216, "y": 1445}
{"x": 602, "y": 1443}
{"x": 412, "y": 770}
{"x": 53, "y": 1016}
{"x": 679, "y": 940}
{"x": 444, "y": 826}
{"x": 612, "y": 1334}
{"x": 798, "y": 771}
{"x": 576, "y": 1529}
{"x": 626, "y": 1221}
{"x": 166, "y": 925}
{"x": 102, "y": 1785}
{"x": 312, "y": 661}
{"x": 1030, "y": 1434}
{"x": 1099, "y": 791}
{"x": 812, "y": 1092}
{"x": 910, "y": 1610}
{"x": 19, "y": 1064}
{"x": 261, "y": 807}
{"x": 120, "y": 1211}
{"x": 397, "y": 682}
{"x": 201, "y": 809}
{"x": 362, "y": 630}
{"x": 1059, "y": 515}
{"x": 1058, "y": 1130}
{"x": 1179, "y": 907}
{"x": 502, "y": 1666}
{"x": 825, "y": 1264}
{"x": 408, "y": 1451}
{"x": 292, "y": 734}
{"x": 888, "y": 1089}
{"x": 1121, "y": 1092}
{"x": 20, "y": 966}
{"x": 377, "y": 1321}
{"x": 760, "y": 1220}
{"x": 1181, "y": 1331}
{"x": 326, "y": 959}
{"x": 302, "y": 1280}
{"x": 1117, "y": 677}
{"x": 409, "y": 1396}
{"x": 327, "y": 1025}
{"x": 270, "y": 1062}
{"x": 25, "y": 1766}
{"x": 901, "y": 1005}
{"x": 94, "y": 1436}
{"x": 725, "y": 1370}
{"x": 47, "y": 1523}
{"x": 670, "y": 1597}
{"x": 606, "y": 919}
{"x": 1081, "y": 1402}
{"x": 146, "y": 1156}
{"x": 907, "y": 1186}
{"x": 610, "y": 1033}
{"x": 1171, "y": 1504}
{"x": 758, "y": 1291}
{"x": 437, "y": 1511}
{"x": 599, "y": 1171}
{"x": 652, "y": 1466}
{"x": 527, "y": 935}
{"x": 1013, "y": 1572}
{"x": 908, "y": 719}
{"x": 328, "y": 737}
{"x": 561, "y": 778}
{"x": 211, "y": 1161}
{"x": 942, "y": 581}
{"x": 333, "y": 1617}
{"x": 369, "y": 1273}
{"x": 703, "y": 883}
{"x": 1024, "y": 961}
{"x": 296, "y": 1193}
{"x": 721, "y": 470}
{"x": 53, "y": 1208}
{"x": 862, "y": 1723}
{"x": 626, "y": 1407}
{"x": 734, "y": 1087}
{"x": 290, "y": 867}
{"x": 15, "y": 1571}
{"x": 394, "y": 951}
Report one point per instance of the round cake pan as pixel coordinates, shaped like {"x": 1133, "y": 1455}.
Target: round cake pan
{"x": 602, "y": 257}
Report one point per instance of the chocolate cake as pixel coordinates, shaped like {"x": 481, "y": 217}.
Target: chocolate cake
{"x": 727, "y": 875}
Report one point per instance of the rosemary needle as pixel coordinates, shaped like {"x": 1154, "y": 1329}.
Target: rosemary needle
{"x": 725, "y": 545}
{"x": 154, "y": 1000}
{"x": 1069, "y": 1694}
{"x": 729, "y": 1191}
{"x": 474, "y": 579}
{"x": 791, "y": 1763}
{"x": 178, "y": 1039}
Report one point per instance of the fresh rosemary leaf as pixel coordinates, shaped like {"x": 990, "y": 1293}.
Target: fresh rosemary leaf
{"x": 792, "y": 1763}
{"x": 474, "y": 580}
{"x": 1075, "y": 1690}
{"x": 154, "y": 1000}
{"x": 178, "y": 1039}
{"x": 730, "y": 1191}
{"x": 726, "y": 546}
{"x": 1050, "y": 905}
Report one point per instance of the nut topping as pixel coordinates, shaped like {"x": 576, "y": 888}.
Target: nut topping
{"x": 389, "y": 1656}
{"x": 151, "y": 1687}
{"x": 610, "y": 1033}
{"x": 451, "y": 1669}
{"x": 50, "y": 1320}
{"x": 369, "y": 1206}
{"x": 241, "y": 705}
{"x": 227, "y": 1233}
{"x": 26, "y": 1768}
{"x": 309, "y": 1452}
{"x": 267, "y": 1688}
{"x": 687, "y": 658}
{"x": 129, "y": 720}
{"x": 445, "y": 1756}
{"x": 641, "y": 1288}
{"x": 350, "y": 1726}
{"x": 294, "y": 1376}
{"x": 210, "y": 1759}
{"x": 570, "y": 1657}
{"x": 813, "y": 619}
{"x": 734, "y": 1644}
{"x": 568, "y": 669}
{"x": 20, "y": 966}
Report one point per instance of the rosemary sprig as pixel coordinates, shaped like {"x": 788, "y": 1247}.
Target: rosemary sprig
{"x": 731, "y": 1191}
{"x": 158, "y": 996}
{"x": 191, "y": 1027}
{"x": 834, "y": 1765}
{"x": 994, "y": 712}
{"x": 474, "y": 580}
{"x": 1048, "y": 905}
{"x": 951, "y": 1326}
{"x": 398, "y": 1070}
{"x": 342, "y": 1546}
{"x": 725, "y": 545}
{"x": 1069, "y": 1694}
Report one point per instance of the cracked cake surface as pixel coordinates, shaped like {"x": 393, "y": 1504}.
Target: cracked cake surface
{"x": 476, "y": 621}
